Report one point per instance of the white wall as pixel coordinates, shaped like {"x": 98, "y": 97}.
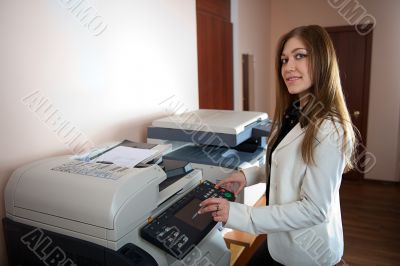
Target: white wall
{"x": 251, "y": 29}
{"x": 383, "y": 121}
{"x": 108, "y": 87}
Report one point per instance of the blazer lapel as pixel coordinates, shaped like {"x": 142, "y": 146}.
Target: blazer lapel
{"x": 293, "y": 134}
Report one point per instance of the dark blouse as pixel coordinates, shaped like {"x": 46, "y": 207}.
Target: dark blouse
{"x": 290, "y": 119}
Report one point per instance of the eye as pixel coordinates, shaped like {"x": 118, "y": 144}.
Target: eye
{"x": 300, "y": 56}
{"x": 284, "y": 61}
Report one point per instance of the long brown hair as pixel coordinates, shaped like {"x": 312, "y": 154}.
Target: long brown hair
{"x": 326, "y": 99}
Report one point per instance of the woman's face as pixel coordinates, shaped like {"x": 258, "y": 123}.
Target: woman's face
{"x": 295, "y": 70}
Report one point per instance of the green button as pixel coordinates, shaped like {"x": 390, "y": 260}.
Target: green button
{"x": 228, "y": 195}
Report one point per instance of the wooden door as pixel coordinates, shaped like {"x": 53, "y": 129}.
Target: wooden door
{"x": 215, "y": 54}
{"x": 354, "y": 55}
{"x": 245, "y": 81}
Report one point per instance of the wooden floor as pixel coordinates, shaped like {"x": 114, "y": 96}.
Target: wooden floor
{"x": 371, "y": 223}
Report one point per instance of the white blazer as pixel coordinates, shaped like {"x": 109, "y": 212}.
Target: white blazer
{"x": 303, "y": 219}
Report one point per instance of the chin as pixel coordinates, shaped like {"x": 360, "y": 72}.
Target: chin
{"x": 294, "y": 92}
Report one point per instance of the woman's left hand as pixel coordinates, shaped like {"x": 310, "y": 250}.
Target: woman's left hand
{"x": 218, "y": 207}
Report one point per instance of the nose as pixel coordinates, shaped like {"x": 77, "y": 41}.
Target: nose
{"x": 290, "y": 65}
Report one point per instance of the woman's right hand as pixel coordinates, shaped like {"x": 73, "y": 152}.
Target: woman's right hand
{"x": 234, "y": 182}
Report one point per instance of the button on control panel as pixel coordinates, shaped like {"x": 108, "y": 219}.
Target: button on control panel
{"x": 179, "y": 228}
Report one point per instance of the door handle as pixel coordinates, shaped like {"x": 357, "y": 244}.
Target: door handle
{"x": 356, "y": 114}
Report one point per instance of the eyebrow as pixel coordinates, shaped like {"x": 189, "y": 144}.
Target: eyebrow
{"x": 294, "y": 50}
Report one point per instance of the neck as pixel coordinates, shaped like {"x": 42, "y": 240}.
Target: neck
{"x": 303, "y": 99}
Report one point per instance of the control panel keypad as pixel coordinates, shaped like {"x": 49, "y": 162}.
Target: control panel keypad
{"x": 179, "y": 228}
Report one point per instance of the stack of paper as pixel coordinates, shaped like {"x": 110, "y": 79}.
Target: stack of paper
{"x": 127, "y": 156}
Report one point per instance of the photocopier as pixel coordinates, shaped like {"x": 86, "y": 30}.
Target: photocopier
{"x": 68, "y": 210}
{"x": 217, "y": 142}
{"x": 65, "y": 211}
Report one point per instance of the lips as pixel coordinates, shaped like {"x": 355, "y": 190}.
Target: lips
{"x": 292, "y": 79}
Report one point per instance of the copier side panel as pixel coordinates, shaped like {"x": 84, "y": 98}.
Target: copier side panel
{"x": 12, "y": 183}
{"x": 83, "y": 236}
{"x": 137, "y": 208}
{"x": 88, "y": 199}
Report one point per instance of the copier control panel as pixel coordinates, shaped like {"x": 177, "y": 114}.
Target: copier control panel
{"x": 180, "y": 228}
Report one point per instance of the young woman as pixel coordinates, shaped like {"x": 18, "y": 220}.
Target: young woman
{"x": 310, "y": 147}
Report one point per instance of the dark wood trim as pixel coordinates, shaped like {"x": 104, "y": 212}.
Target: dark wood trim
{"x": 245, "y": 81}
{"x": 248, "y": 253}
{"x": 218, "y": 8}
{"x": 374, "y": 182}
{"x": 340, "y": 28}
{"x": 215, "y": 54}
{"x": 201, "y": 12}
{"x": 367, "y": 78}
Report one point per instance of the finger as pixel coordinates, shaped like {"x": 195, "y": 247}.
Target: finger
{"x": 210, "y": 208}
{"x": 210, "y": 201}
{"x": 241, "y": 187}
{"x": 215, "y": 214}
{"x": 223, "y": 182}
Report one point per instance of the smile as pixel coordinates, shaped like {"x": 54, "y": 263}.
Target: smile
{"x": 292, "y": 79}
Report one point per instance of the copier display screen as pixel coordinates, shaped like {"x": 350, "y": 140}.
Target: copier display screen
{"x": 179, "y": 228}
{"x": 188, "y": 215}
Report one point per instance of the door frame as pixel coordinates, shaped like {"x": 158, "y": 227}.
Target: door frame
{"x": 366, "y": 84}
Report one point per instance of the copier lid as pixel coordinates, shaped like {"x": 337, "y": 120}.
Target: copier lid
{"x": 208, "y": 127}
{"x": 218, "y": 121}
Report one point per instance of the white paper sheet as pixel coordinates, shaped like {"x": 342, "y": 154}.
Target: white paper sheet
{"x": 125, "y": 156}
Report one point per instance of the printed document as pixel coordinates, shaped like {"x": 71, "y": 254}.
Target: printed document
{"x": 125, "y": 156}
